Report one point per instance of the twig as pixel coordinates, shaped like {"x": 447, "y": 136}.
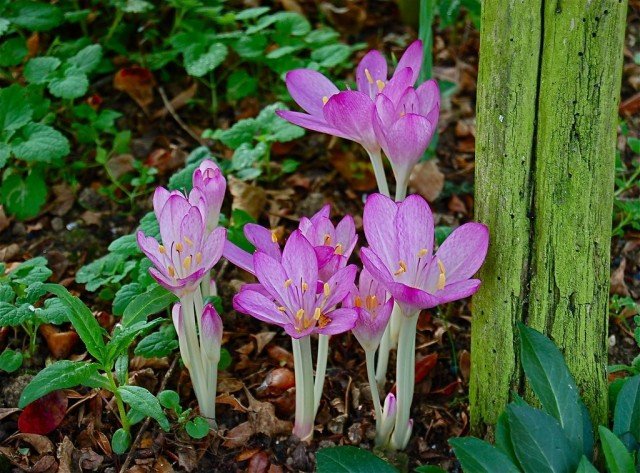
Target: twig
{"x": 145, "y": 425}
{"x": 176, "y": 117}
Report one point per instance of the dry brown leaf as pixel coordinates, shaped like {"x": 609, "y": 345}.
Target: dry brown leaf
{"x": 229, "y": 385}
{"x": 119, "y": 165}
{"x": 4, "y": 221}
{"x": 65, "y": 455}
{"x": 247, "y": 197}
{"x": 258, "y": 463}
{"x": 356, "y": 171}
{"x": 9, "y": 252}
{"x": 178, "y": 101}
{"x": 427, "y": 180}
{"x": 64, "y": 199}
{"x": 246, "y": 454}
{"x": 618, "y": 285}
{"x": 60, "y": 343}
{"x": 281, "y": 355}
{"x": 239, "y": 435}
{"x": 262, "y": 339}
{"x": 464, "y": 361}
{"x": 41, "y": 443}
{"x": 162, "y": 465}
{"x": 7, "y": 411}
{"x": 138, "y": 82}
{"x": 90, "y": 217}
{"x": 231, "y": 401}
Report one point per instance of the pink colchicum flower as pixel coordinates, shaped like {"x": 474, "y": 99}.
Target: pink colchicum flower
{"x": 188, "y": 251}
{"x": 209, "y": 182}
{"x": 404, "y": 128}
{"x": 289, "y": 295}
{"x": 211, "y": 333}
{"x": 400, "y": 253}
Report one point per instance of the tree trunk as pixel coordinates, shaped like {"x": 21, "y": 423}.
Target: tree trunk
{"x": 548, "y": 90}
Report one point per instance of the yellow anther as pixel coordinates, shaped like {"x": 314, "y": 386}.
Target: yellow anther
{"x": 179, "y": 247}
{"x": 300, "y": 314}
{"x": 288, "y": 283}
{"x": 380, "y": 85}
{"x": 358, "y": 301}
{"x": 274, "y": 237}
{"x": 187, "y": 262}
{"x": 402, "y": 269}
{"x": 317, "y": 313}
{"x": 327, "y": 239}
{"x": 422, "y": 252}
{"x": 326, "y": 289}
{"x": 162, "y": 249}
{"x": 172, "y": 271}
{"x": 372, "y": 302}
{"x": 442, "y": 278}
{"x": 282, "y": 309}
{"x": 198, "y": 257}
{"x": 323, "y": 321}
{"x": 339, "y": 250}
{"x": 368, "y": 74}
{"x": 325, "y": 99}
{"x": 306, "y": 323}
{"x": 305, "y": 286}
{"x": 188, "y": 241}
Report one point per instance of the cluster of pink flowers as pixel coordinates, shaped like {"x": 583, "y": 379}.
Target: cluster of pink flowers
{"x": 307, "y": 286}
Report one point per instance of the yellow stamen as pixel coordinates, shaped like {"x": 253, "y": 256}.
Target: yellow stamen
{"x": 317, "y": 313}
{"x": 325, "y": 99}
{"x": 198, "y": 257}
{"x": 274, "y": 237}
{"x": 188, "y": 241}
{"x": 288, "y": 283}
{"x": 368, "y": 74}
{"x": 162, "y": 249}
{"x": 422, "y": 252}
{"x": 306, "y": 323}
{"x": 187, "y": 262}
{"x": 372, "y": 302}
{"x": 358, "y": 301}
{"x": 402, "y": 269}
{"x": 442, "y": 279}
{"x": 305, "y": 286}
{"x": 380, "y": 85}
{"x": 282, "y": 309}
{"x": 338, "y": 249}
{"x": 172, "y": 271}
{"x": 323, "y": 321}
{"x": 326, "y": 289}
{"x": 300, "y": 314}
{"x": 327, "y": 239}
{"x": 179, "y": 247}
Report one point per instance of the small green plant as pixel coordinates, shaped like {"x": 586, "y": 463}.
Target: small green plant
{"x": 109, "y": 371}
{"x": 559, "y": 436}
{"x": 21, "y": 305}
{"x": 196, "y": 427}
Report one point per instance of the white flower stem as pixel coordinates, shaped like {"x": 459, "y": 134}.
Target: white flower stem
{"x": 405, "y": 379}
{"x": 305, "y": 402}
{"x": 196, "y": 368}
{"x": 401, "y": 189}
{"x": 388, "y": 342}
{"x": 394, "y": 325}
{"x": 321, "y": 370}
{"x": 375, "y": 395}
{"x": 378, "y": 171}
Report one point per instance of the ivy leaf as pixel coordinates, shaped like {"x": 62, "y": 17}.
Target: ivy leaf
{"x": 38, "y": 70}
{"x": 145, "y": 403}
{"x": 87, "y": 59}
{"x": 198, "y": 62}
{"x": 4, "y": 25}
{"x": 24, "y": 198}
{"x": 72, "y": 84}
{"x": 59, "y": 375}
{"x": 41, "y": 143}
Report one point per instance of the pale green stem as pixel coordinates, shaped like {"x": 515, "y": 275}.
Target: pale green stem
{"x": 378, "y": 171}
{"x": 321, "y": 369}
{"x": 394, "y": 323}
{"x": 405, "y": 379}
{"x": 401, "y": 187}
{"x": 388, "y": 342}
{"x": 196, "y": 370}
{"x": 303, "y": 366}
{"x": 375, "y": 395}
{"x": 208, "y": 383}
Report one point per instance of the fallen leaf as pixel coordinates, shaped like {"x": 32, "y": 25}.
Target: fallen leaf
{"x": 423, "y": 367}
{"x": 89, "y": 217}
{"x": 231, "y": 401}
{"x": 630, "y": 106}
{"x": 618, "y": 285}
{"x": 41, "y": 443}
{"x": 7, "y": 411}
{"x": 178, "y": 101}
{"x": 464, "y": 362}
{"x": 427, "y": 180}
{"x": 64, "y": 199}
{"x": 262, "y": 339}
{"x": 65, "y": 455}
{"x": 281, "y": 355}
{"x": 43, "y": 415}
{"x": 258, "y": 463}
{"x": 246, "y": 454}
{"x": 229, "y": 385}
{"x": 448, "y": 390}
{"x": 119, "y": 165}
{"x": 138, "y": 82}
{"x": 355, "y": 170}
{"x": 456, "y": 205}
{"x": 4, "y": 221}
{"x": 46, "y": 464}
{"x": 247, "y": 197}
{"x": 60, "y": 343}
{"x": 276, "y": 382}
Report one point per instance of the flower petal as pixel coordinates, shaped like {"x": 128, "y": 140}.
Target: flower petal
{"x": 378, "y": 220}
{"x": 257, "y": 305}
{"x": 412, "y": 299}
{"x": 299, "y": 259}
{"x": 372, "y": 68}
{"x": 262, "y": 239}
{"x": 396, "y": 87}
{"x": 351, "y": 113}
{"x": 340, "y": 284}
{"x": 379, "y": 271}
{"x": 464, "y": 251}
{"x": 342, "y": 320}
{"x": 458, "y": 290}
{"x": 150, "y": 247}
{"x": 213, "y": 247}
{"x": 272, "y": 276}
{"x": 346, "y": 235}
{"x": 236, "y": 255}
{"x": 310, "y": 122}
{"x": 160, "y": 197}
{"x": 429, "y": 98}
{"x": 414, "y": 223}
{"x": 413, "y": 58}
{"x": 308, "y": 88}
{"x": 170, "y": 218}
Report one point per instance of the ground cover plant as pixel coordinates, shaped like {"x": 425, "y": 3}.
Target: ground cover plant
{"x": 240, "y": 236}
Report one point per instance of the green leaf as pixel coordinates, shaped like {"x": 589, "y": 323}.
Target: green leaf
{"x": 73, "y": 83}
{"x": 38, "y": 70}
{"x": 122, "y": 368}
{"x": 585, "y": 466}
{"x": 242, "y": 132}
{"x": 15, "y": 111}
{"x": 225, "y": 359}
{"x": 126, "y": 245}
{"x": 245, "y": 156}
{"x": 159, "y": 344}
{"x": 634, "y": 144}
{"x": 539, "y": 442}
{"x": 626, "y": 417}
{"x": 24, "y": 198}
{"x": 123, "y": 336}
{"x": 10, "y": 360}
{"x": 121, "y": 441}
{"x": 36, "y": 16}
{"x": 331, "y": 55}
{"x": 13, "y": 51}
{"x": 169, "y": 399}
{"x": 429, "y": 469}
{"x": 87, "y": 59}
{"x": 553, "y": 384}
{"x": 145, "y": 403}
{"x": 199, "y": 61}
{"x": 197, "y": 428}
{"x": 41, "y": 143}
{"x": 31, "y": 271}
{"x": 125, "y": 295}
{"x": 478, "y": 456}
{"x": 59, "y": 375}
{"x": 251, "y": 46}
{"x": 347, "y": 459}
{"x": 151, "y": 302}
{"x": 240, "y": 84}
{"x": 619, "y": 460}
{"x": 276, "y": 128}
{"x": 251, "y": 13}
{"x": 503, "y": 438}
{"x": 88, "y": 328}
{"x": 54, "y": 312}
{"x": 4, "y": 25}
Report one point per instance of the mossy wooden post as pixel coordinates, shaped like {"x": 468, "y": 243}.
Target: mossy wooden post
{"x": 548, "y": 90}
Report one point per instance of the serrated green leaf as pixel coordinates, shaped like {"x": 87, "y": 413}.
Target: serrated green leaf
{"x": 15, "y": 111}
{"x": 153, "y": 301}
{"x": 331, "y": 55}
{"x": 35, "y": 16}
{"x": 59, "y": 375}
{"x": 71, "y": 84}
{"x": 242, "y": 132}
{"x": 5, "y": 152}
{"x": 251, "y": 46}
{"x": 123, "y": 336}
{"x": 251, "y": 13}
{"x": 41, "y": 143}
{"x": 87, "y": 59}
{"x": 125, "y": 295}
{"x": 10, "y": 360}
{"x": 145, "y": 403}
{"x": 347, "y": 459}
{"x": 54, "y": 311}
{"x": 125, "y": 245}
{"x": 90, "y": 332}
{"x": 199, "y": 61}
{"x": 31, "y": 271}
{"x": 245, "y": 156}
{"x": 478, "y": 456}
{"x": 619, "y": 460}
{"x": 626, "y": 417}
{"x": 24, "y": 198}
{"x": 4, "y": 25}
{"x": 158, "y": 344}
{"x": 6, "y": 293}
{"x": 240, "y": 84}
{"x": 13, "y": 51}
{"x": 38, "y": 69}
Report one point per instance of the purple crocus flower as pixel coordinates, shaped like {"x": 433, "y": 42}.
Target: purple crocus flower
{"x": 404, "y": 128}
{"x": 400, "y": 253}
{"x": 374, "y": 305}
{"x": 289, "y": 295}
{"x": 187, "y": 251}
{"x": 209, "y": 182}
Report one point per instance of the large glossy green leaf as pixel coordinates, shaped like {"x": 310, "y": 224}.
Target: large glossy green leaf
{"x": 503, "y": 438}
{"x": 619, "y": 460}
{"x": 626, "y": 417}
{"x": 60, "y": 375}
{"x": 151, "y": 302}
{"x": 585, "y": 466}
{"x": 478, "y": 456}
{"x": 88, "y": 328}
{"x": 553, "y": 384}
{"x": 346, "y": 459}
{"x": 539, "y": 442}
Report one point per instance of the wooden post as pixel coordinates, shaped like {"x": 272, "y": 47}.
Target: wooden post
{"x": 548, "y": 90}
